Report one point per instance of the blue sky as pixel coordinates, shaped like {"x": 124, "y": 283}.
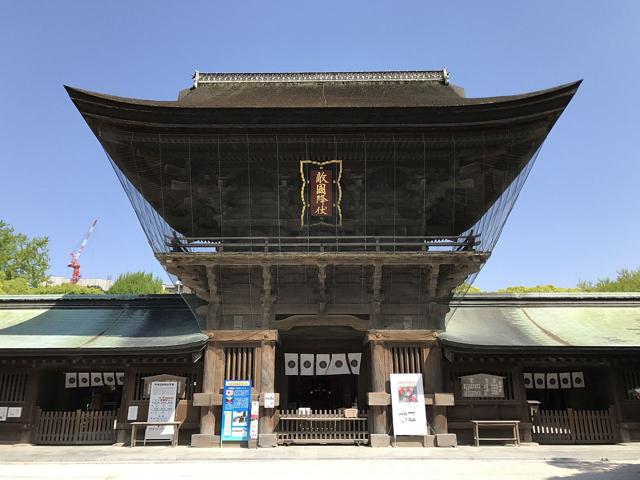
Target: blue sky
{"x": 576, "y": 218}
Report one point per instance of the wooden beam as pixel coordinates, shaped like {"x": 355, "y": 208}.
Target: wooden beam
{"x": 413, "y": 336}
{"x": 239, "y": 336}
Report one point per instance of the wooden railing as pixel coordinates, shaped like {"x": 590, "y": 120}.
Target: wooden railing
{"x": 75, "y": 428}
{"x": 574, "y": 426}
{"x": 322, "y": 244}
{"x": 323, "y": 427}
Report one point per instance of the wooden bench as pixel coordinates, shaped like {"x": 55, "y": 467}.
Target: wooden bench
{"x": 514, "y": 424}
{"x": 174, "y": 438}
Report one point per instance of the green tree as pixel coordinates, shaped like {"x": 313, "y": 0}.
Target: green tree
{"x": 466, "y": 288}
{"x": 537, "y": 289}
{"x": 15, "y": 286}
{"x": 136, "y": 283}
{"x": 65, "y": 289}
{"x": 23, "y": 257}
{"x": 625, "y": 281}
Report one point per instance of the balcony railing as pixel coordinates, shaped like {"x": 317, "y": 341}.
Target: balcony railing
{"x": 324, "y": 244}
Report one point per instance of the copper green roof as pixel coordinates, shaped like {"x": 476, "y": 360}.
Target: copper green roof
{"x": 83, "y": 324}
{"x": 544, "y": 321}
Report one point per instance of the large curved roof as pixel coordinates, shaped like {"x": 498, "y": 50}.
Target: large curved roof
{"x": 419, "y": 157}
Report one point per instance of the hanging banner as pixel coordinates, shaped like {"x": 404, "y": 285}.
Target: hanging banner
{"x": 109, "y": 378}
{"x": 354, "y": 362}
{"x": 306, "y": 363}
{"x": 539, "y": 380}
{"x": 291, "y": 363}
{"x": 577, "y": 379}
{"x": 70, "y": 380}
{"x": 565, "y": 380}
{"x": 322, "y": 363}
{"x": 407, "y": 404}
{"x": 96, "y": 380}
{"x": 338, "y": 365}
{"x": 120, "y": 378}
{"x": 552, "y": 381}
{"x": 528, "y": 380}
{"x": 83, "y": 380}
{"x": 235, "y": 410}
{"x": 162, "y": 408}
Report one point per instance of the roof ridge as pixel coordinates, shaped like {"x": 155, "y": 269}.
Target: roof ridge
{"x": 441, "y": 76}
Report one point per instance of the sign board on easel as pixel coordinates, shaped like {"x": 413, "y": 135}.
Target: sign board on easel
{"x": 236, "y": 405}
{"x": 407, "y": 404}
{"x": 162, "y": 408}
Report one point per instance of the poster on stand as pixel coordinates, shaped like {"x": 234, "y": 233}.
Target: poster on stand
{"x": 236, "y": 404}
{"x": 162, "y": 408}
{"x": 407, "y": 404}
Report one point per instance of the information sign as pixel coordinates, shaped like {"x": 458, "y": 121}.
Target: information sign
{"x": 162, "y": 408}
{"x": 407, "y": 403}
{"x": 482, "y": 385}
{"x": 236, "y": 406}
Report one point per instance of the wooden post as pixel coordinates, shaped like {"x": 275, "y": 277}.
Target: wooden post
{"x": 214, "y": 319}
{"x": 267, "y": 437}
{"x": 376, "y": 297}
{"x": 212, "y": 383}
{"x": 125, "y": 399}
{"x": 433, "y": 383}
{"x": 379, "y": 422}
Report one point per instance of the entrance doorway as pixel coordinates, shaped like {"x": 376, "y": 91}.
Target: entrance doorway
{"x": 323, "y": 388}
{"x": 571, "y": 405}
{"x": 77, "y": 412}
{"x": 322, "y": 377}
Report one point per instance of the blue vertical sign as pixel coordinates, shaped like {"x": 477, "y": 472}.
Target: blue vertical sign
{"x": 236, "y": 405}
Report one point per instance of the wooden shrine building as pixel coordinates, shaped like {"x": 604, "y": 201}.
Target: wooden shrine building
{"x": 324, "y": 226}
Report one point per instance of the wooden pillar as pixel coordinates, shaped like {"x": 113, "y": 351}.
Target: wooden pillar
{"x": 212, "y": 383}
{"x": 125, "y": 399}
{"x": 376, "y": 297}
{"x": 214, "y": 319}
{"x": 29, "y": 406}
{"x": 433, "y": 383}
{"x": 267, "y": 437}
{"x": 379, "y": 427}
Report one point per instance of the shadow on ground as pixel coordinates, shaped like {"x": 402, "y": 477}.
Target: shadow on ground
{"x": 603, "y": 470}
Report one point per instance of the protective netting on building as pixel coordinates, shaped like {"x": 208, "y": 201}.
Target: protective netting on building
{"x": 199, "y": 190}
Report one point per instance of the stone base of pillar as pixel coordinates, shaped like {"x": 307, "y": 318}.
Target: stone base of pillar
{"x": 415, "y": 441}
{"x": 267, "y": 440}
{"x": 205, "y": 441}
{"x": 446, "y": 440}
{"x": 377, "y": 440}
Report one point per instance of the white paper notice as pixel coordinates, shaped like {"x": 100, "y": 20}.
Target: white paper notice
{"x": 269, "y": 400}
{"x": 132, "y": 413}
{"x": 3, "y": 414}
{"x": 407, "y": 403}
{"x": 162, "y": 408}
{"x": 253, "y": 426}
{"x": 14, "y": 412}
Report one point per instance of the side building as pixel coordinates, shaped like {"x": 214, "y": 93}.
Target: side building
{"x": 72, "y": 368}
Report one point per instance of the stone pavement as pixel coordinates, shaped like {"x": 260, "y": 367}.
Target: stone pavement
{"x": 614, "y": 462}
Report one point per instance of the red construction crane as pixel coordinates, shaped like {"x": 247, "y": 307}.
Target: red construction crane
{"x": 75, "y": 255}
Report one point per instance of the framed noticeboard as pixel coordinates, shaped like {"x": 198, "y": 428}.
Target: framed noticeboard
{"x": 482, "y": 385}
